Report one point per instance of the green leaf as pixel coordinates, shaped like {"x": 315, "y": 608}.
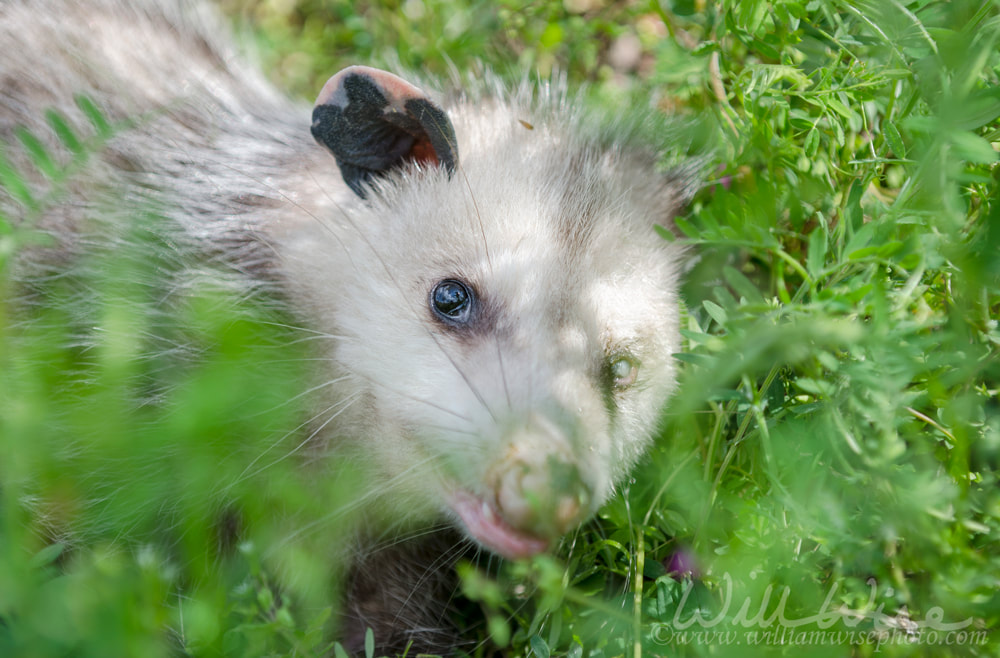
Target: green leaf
{"x": 539, "y": 647}
{"x": 852, "y": 206}
{"x": 861, "y": 238}
{"x": 499, "y": 629}
{"x": 742, "y": 285}
{"x": 39, "y": 155}
{"x": 864, "y": 252}
{"x": 552, "y": 36}
{"x": 838, "y": 133}
{"x": 95, "y": 116}
{"x": 752, "y": 14}
{"x": 705, "y": 48}
{"x": 695, "y": 359}
{"x": 815, "y": 386}
{"x": 894, "y": 139}
{"x": 811, "y": 144}
{"x": 841, "y": 109}
{"x": 47, "y": 555}
{"x": 890, "y": 248}
{"x": 716, "y": 312}
{"x": 816, "y": 258}
{"x": 973, "y": 148}
{"x": 686, "y": 228}
{"x": 12, "y": 181}
{"x": 65, "y": 133}
{"x": 695, "y": 336}
{"x": 664, "y": 233}
{"x": 979, "y": 110}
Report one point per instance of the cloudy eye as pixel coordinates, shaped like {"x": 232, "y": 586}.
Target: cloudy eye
{"x": 622, "y": 371}
{"x": 451, "y": 301}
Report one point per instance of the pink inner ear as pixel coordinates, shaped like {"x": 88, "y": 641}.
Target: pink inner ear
{"x": 423, "y": 153}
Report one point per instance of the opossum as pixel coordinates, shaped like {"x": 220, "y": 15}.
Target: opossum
{"x": 500, "y": 313}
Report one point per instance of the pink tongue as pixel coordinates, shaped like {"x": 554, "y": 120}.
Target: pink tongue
{"x": 486, "y": 527}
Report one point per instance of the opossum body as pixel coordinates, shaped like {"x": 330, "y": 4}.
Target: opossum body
{"x": 500, "y": 311}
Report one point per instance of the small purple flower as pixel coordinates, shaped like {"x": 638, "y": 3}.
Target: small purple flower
{"x": 725, "y": 181}
{"x": 682, "y": 564}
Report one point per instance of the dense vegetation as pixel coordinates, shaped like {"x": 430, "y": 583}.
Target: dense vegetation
{"x": 828, "y": 471}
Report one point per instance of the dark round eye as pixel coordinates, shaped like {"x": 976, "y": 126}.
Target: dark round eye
{"x": 451, "y": 300}
{"x": 623, "y": 369}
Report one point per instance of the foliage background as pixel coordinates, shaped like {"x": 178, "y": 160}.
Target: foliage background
{"x": 834, "y": 445}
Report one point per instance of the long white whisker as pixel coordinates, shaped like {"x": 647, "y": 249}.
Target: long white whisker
{"x": 344, "y": 404}
{"x": 329, "y": 382}
{"x": 383, "y": 385}
{"x": 445, "y": 559}
{"x": 503, "y": 373}
{"x": 355, "y": 503}
{"x": 454, "y": 430}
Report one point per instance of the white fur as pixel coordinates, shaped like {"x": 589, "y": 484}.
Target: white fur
{"x": 549, "y": 221}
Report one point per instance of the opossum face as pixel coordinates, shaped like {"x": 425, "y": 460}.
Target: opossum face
{"x": 512, "y": 318}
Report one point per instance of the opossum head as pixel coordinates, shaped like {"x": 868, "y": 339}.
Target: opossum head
{"x": 505, "y": 321}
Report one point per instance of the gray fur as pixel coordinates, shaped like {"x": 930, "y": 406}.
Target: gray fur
{"x": 547, "y": 216}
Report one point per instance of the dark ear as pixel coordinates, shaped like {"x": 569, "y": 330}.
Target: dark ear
{"x": 373, "y": 121}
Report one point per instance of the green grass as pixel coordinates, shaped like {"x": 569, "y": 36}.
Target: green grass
{"x": 834, "y": 446}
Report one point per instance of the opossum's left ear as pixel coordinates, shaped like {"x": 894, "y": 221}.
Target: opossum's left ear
{"x": 373, "y": 121}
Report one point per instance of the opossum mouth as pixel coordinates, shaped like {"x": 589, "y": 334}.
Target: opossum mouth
{"x": 485, "y": 525}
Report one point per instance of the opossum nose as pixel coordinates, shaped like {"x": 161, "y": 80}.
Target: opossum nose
{"x": 541, "y": 494}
